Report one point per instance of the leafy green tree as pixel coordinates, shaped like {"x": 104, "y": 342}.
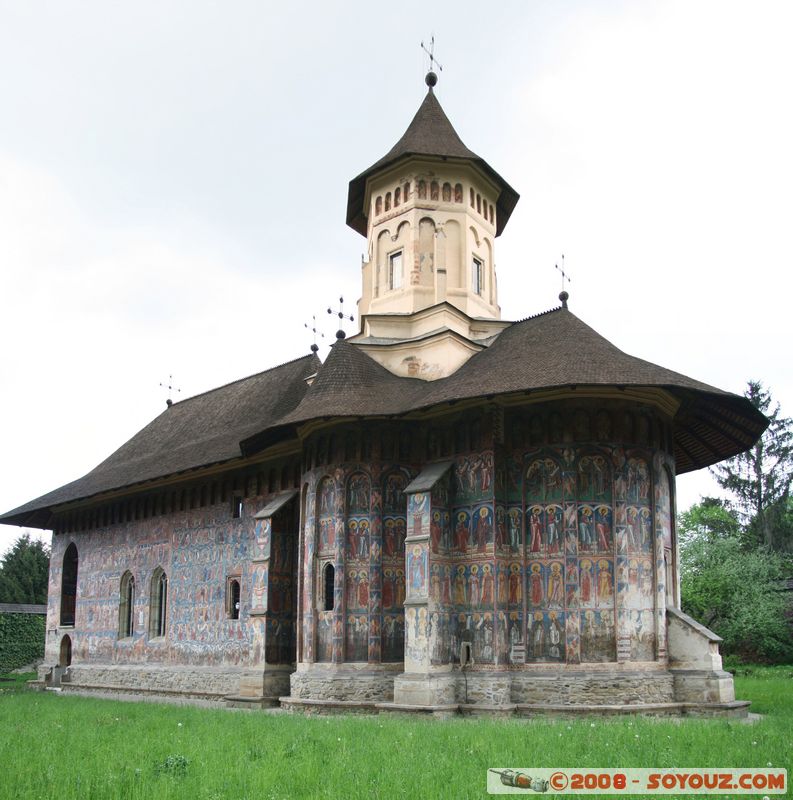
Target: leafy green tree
{"x": 710, "y": 519}
{"x": 760, "y": 478}
{"x": 24, "y": 572}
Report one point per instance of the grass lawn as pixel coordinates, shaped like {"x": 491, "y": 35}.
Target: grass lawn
{"x": 60, "y": 746}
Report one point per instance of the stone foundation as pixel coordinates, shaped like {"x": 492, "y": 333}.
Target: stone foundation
{"x": 213, "y": 683}
{"x": 345, "y": 682}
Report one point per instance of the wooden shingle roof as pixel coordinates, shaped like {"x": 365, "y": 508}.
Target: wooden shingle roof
{"x": 199, "y": 431}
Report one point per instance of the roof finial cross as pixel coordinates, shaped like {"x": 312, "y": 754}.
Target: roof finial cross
{"x": 169, "y": 386}
{"x": 313, "y": 329}
{"x": 342, "y": 316}
{"x": 563, "y": 295}
{"x": 431, "y": 79}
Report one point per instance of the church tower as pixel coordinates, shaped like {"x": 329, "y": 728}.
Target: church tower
{"x": 431, "y": 210}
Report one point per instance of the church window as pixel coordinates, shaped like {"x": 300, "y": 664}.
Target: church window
{"x": 458, "y": 193}
{"x": 434, "y": 190}
{"x": 395, "y": 270}
{"x": 329, "y": 585}
{"x": 378, "y": 206}
{"x": 476, "y": 275}
{"x": 447, "y": 192}
{"x": 407, "y": 191}
{"x": 473, "y": 199}
{"x": 126, "y": 606}
{"x": 69, "y": 585}
{"x": 422, "y": 190}
{"x": 233, "y": 598}
{"x": 158, "y": 603}
{"x": 397, "y": 196}
{"x": 388, "y": 201}
{"x": 236, "y": 506}
{"x": 492, "y": 215}
{"x": 479, "y": 203}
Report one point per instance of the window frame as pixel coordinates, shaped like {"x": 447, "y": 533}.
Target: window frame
{"x": 396, "y": 255}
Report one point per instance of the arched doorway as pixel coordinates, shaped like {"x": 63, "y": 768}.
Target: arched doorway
{"x": 69, "y": 585}
{"x": 65, "y": 656}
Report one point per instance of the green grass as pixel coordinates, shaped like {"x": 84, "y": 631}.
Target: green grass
{"x": 60, "y": 746}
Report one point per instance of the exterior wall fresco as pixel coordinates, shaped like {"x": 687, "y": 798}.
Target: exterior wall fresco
{"x": 197, "y": 549}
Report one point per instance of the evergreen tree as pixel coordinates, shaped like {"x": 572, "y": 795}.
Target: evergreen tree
{"x": 760, "y": 478}
{"x": 24, "y": 572}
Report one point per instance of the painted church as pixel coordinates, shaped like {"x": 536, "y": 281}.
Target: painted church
{"x": 452, "y": 514}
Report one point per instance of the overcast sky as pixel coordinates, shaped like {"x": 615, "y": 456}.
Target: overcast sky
{"x": 173, "y": 180}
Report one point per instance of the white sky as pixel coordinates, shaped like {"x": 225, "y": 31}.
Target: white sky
{"x": 173, "y": 180}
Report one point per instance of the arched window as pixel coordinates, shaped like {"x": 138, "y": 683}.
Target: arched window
{"x": 158, "y": 603}
{"x": 479, "y": 203}
{"x": 329, "y": 585}
{"x": 447, "y": 193}
{"x": 126, "y": 606}
{"x": 422, "y": 190}
{"x": 378, "y": 206}
{"x": 458, "y": 193}
{"x": 233, "y": 598}
{"x": 397, "y": 196}
{"x": 69, "y": 585}
{"x": 434, "y": 190}
{"x": 407, "y": 192}
{"x": 473, "y": 199}
{"x": 388, "y": 201}
{"x": 492, "y": 215}
{"x": 65, "y": 655}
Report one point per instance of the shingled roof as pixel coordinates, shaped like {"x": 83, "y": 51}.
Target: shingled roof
{"x": 429, "y": 134}
{"x": 548, "y": 351}
{"x": 202, "y": 430}
{"x": 551, "y": 350}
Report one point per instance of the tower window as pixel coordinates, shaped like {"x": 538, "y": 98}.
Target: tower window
{"x": 476, "y": 275}
{"x": 388, "y": 201}
{"x": 397, "y": 196}
{"x": 329, "y": 582}
{"x": 158, "y": 603}
{"x": 395, "y": 270}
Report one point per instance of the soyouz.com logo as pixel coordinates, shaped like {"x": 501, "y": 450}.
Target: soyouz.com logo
{"x": 694, "y": 780}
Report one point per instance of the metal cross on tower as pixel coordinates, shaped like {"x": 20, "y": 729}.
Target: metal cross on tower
{"x": 563, "y": 295}
{"x": 313, "y": 329}
{"x": 341, "y": 315}
{"x": 433, "y": 61}
{"x": 170, "y": 387}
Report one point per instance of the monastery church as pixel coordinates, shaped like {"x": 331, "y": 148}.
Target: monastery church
{"x": 452, "y": 514}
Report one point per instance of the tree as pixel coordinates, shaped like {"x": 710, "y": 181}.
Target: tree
{"x": 24, "y": 572}
{"x": 733, "y": 586}
{"x": 760, "y": 479}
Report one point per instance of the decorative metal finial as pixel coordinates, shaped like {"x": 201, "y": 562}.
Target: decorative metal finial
{"x": 431, "y": 78}
{"x": 169, "y": 386}
{"x": 340, "y": 314}
{"x": 563, "y": 295}
{"x": 313, "y": 329}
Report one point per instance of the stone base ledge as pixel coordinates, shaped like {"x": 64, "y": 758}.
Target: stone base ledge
{"x": 603, "y": 710}
{"x": 738, "y": 709}
{"x": 444, "y": 710}
{"x": 245, "y": 701}
{"x": 485, "y": 710}
{"x": 99, "y": 688}
{"x": 308, "y": 706}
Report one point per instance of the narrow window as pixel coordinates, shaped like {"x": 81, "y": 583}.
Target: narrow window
{"x": 479, "y": 203}
{"x": 492, "y": 215}
{"x": 233, "y": 598}
{"x": 395, "y": 270}
{"x": 236, "y": 506}
{"x": 447, "y": 192}
{"x": 388, "y": 201}
{"x": 476, "y": 275}
{"x": 397, "y": 196}
{"x": 69, "y": 585}
{"x": 407, "y": 192}
{"x": 158, "y": 603}
{"x": 422, "y": 190}
{"x": 378, "y": 206}
{"x": 434, "y": 190}
{"x": 458, "y": 193}
{"x": 473, "y": 200}
{"x": 329, "y": 581}
{"x": 126, "y": 606}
